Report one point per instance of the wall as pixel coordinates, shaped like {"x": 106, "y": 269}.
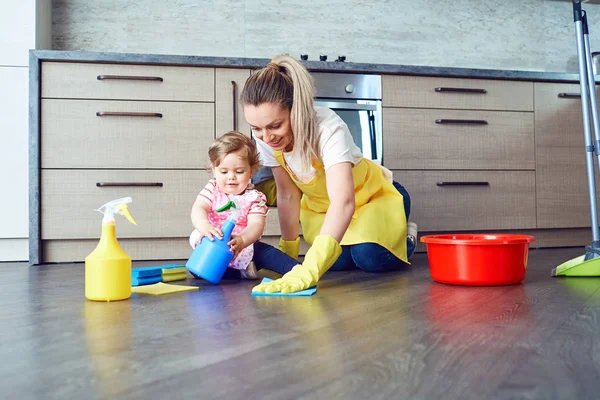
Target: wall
{"x": 505, "y": 34}
{"x": 24, "y": 25}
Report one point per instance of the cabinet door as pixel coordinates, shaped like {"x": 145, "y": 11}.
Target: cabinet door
{"x": 470, "y": 200}
{"x": 162, "y": 200}
{"x": 561, "y": 177}
{"x": 416, "y": 138}
{"x": 229, "y": 114}
{"x": 125, "y": 134}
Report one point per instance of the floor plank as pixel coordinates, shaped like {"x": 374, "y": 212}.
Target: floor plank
{"x": 398, "y": 335}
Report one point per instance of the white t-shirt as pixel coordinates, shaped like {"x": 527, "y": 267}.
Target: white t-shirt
{"x": 335, "y": 142}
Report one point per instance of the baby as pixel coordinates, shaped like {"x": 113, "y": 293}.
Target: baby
{"x": 233, "y": 160}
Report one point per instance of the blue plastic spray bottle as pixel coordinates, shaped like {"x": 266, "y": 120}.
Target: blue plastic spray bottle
{"x": 210, "y": 259}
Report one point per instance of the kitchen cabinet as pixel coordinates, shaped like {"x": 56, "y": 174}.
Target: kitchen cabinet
{"x": 447, "y": 201}
{"x": 456, "y": 93}
{"x": 114, "y": 130}
{"x": 476, "y": 155}
{"x": 561, "y": 176}
{"x": 465, "y": 152}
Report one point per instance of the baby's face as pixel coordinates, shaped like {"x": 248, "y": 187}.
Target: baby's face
{"x": 233, "y": 173}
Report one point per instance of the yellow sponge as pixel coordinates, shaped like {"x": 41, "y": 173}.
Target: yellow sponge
{"x": 174, "y": 277}
{"x": 169, "y": 271}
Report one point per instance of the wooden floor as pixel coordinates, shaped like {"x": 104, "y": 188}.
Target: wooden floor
{"x": 362, "y": 336}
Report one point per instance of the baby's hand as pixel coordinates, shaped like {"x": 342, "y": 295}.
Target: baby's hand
{"x": 210, "y": 232}
{"x": 236, "y": 245}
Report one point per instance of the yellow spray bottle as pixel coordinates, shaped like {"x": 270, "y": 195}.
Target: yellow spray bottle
{"x": 108, "y": 267}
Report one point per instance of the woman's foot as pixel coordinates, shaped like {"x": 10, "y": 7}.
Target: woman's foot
{"x": 250, "y": 272}
{"x": 411, "y": 232}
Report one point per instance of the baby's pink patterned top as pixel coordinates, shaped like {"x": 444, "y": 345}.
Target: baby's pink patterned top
{"x": 251, "y": 201}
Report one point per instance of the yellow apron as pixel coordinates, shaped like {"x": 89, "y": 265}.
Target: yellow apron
{"x": 379, "y": 214}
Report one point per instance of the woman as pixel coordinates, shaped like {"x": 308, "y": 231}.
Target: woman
{"x": 352, "y": 213}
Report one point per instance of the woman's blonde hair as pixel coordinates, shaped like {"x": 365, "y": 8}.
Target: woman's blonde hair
{"x": 231, "y": 142}
{"x": 284, "y": 81}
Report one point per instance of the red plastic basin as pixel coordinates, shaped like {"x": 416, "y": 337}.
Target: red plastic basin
{"x": 478, "y": 259}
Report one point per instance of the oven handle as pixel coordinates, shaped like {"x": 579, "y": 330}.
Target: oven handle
{"x": 339, "y": 105}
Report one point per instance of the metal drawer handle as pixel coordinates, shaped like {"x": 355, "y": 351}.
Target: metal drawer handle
{"x": 460, "y": 90}
{"x": 127, "y": 114}
{"x": 462, "y": 121}
{"x": 569, "y": 95}
{"x": 129, "y": 184}
{"x": 130, "y": 78}
{"x": 233, "y": 89}
{"x": 463, "y": 183}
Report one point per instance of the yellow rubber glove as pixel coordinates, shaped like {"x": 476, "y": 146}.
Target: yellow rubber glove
{"x": 319, "y": 258}
{"x": 290, "y": 247}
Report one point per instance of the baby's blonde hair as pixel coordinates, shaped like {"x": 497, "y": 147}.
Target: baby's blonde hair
{"x": 231, "y": 142}
{"x": 284, "y": 81}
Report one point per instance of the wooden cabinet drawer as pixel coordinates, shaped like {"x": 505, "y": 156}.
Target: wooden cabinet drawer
{"x": 133, "y": 82}
{"x": 440, "y": 203}
{"x": 431, "y": 92}
{"x": 68, "y": 250}
{"x": 69, "y": 198}
{"x": 457, "y": 139}
{"x": 171, "y": 135}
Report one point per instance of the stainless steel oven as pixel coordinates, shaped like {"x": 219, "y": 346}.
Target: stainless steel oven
{"x": 356, "y": 98}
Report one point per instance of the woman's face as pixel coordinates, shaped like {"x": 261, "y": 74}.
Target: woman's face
{"x": 271, "y": 124}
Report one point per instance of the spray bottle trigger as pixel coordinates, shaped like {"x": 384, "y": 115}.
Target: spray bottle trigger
{"x": 226, "y": 206}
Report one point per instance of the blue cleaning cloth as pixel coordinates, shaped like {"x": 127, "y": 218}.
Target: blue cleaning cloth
{"x": 145, "y": 280}
{"x": 307, "y": 292}
{"x": 146, "y": 272}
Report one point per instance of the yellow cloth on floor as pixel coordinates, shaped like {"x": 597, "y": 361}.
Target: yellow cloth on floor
{"x": 174, "y": 277}
{"x": 160, "y": 288}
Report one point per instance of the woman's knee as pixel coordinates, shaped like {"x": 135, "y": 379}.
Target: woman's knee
{"x": 344, "y": 262}
{"x": 372, "y": 257}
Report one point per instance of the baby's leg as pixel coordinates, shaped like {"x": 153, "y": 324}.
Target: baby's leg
{"x": 271, "y": 258}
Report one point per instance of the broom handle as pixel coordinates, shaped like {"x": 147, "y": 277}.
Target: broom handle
{"x": 584, "y": 83}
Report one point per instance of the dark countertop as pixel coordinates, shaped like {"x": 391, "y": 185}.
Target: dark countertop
{"x": 315, "y": 66}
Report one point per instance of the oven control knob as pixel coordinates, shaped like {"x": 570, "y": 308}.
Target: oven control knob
{"x": 304, "y": 56}
{"x": 323, "y": 57}
{"x": 349, "y": 88}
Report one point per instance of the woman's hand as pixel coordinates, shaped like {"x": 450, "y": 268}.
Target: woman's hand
{"x": 319, "y": 258}
{"x": 236, "y": 245}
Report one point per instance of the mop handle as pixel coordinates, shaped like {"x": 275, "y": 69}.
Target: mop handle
{"x": 577, "y": 10}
